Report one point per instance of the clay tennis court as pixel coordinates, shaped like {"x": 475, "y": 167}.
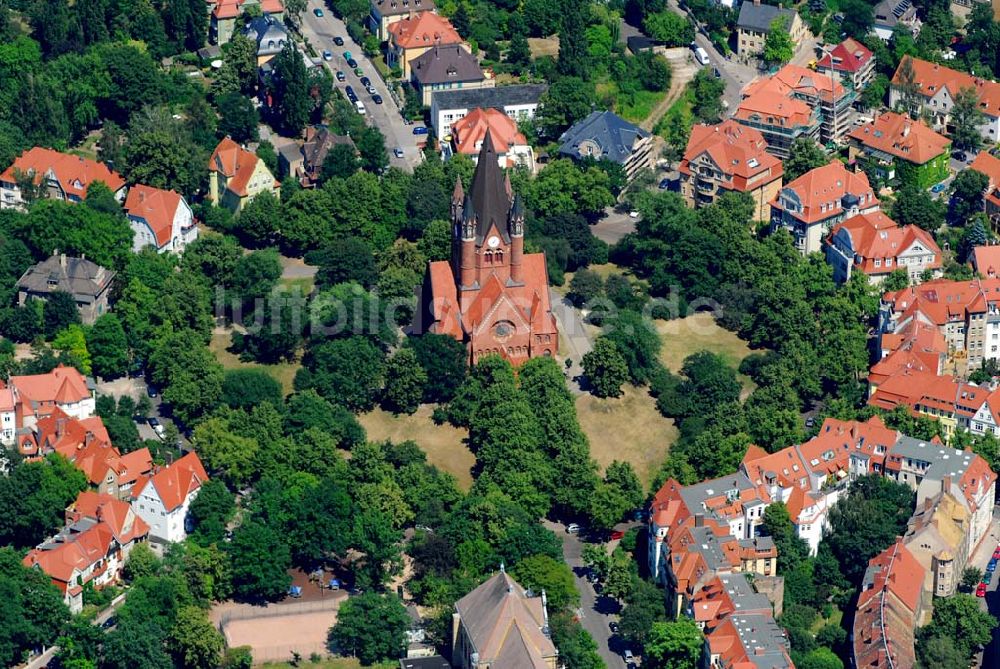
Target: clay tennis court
{"x": 276, "y": 631}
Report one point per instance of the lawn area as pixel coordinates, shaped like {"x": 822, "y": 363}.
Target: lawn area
{"x": 328, "y": 663}
{"x": 543, "y": 46}
{"x": 444, "y": 445}
{"x": 635, "y": 108}
{"x": 681, "y": 107}
{"x": 698, "y": 332}
{"x": 627, "y": 428}
{"x": 283, "y": 373}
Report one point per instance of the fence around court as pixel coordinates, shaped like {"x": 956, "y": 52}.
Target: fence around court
{"x": 275, "y": 610}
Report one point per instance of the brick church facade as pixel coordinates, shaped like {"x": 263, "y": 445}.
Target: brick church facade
{"x": 491, "y": 295}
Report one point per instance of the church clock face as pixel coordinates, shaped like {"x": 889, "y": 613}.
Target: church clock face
{"x": 493, "y": 242}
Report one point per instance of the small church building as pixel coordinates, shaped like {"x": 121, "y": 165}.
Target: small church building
{"x": 491, "y": 295}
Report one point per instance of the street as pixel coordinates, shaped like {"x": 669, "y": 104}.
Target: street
{"x": 990, "y": 657}
{"x": 320, "y": 31}
{"x": 595, "y": 612}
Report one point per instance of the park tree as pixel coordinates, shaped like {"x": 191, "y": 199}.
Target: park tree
{"x": 820, "y": 658}
{"x": 674, "y": 645}
{"x": 259, "y": 221}
{"x": 573, "y": 58}
{"x": 605, "y": 368}
{"x": 33, "y": 612}
{"x": 108, "y": 347}
{"x": 405, "y": 380}
{"x": 340, "y": 162}
{"x": 543, "y": 573}
{"x": 518, "y": 51}
{"x": 637, "y": 341}
{"x": 194, "y": 640}
{"x": 444, "y": 359}
{"x": 350, "y": 259}
{"x": 307, "y": 410}
{"x": 960, "y": 619}
{"x": 231, "y": 455}
{"x": 211, "y": 511}
{"x": 349, "y": 371}
{"x": 293, "y": 103}
{"x": 371, "y": 627}
{"x": 778, "y": 45}
{"x": 804, "y": 156}
{"x": 707, "y": 93}
{"x": 967, "y": 195}
{"x": 238, "y": 117}
{"x": 585, "y": 286}
{"x": 915, "y": 206}
{"x": 260, "y": 562}
{"x": 161, "y": 152}
{"x": 670, "y": 27}
{"x": 966, "y": 118}
{"x": 246, "y": 388}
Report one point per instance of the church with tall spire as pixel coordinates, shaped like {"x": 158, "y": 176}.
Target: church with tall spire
{"x": 490, "y": 295}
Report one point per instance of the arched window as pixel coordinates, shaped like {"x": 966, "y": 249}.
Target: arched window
{"x": 500, "y": 256}
{"x": 488, "y": 256}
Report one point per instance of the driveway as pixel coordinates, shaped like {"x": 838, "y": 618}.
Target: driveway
{"x": 614, "y": 226}
{"x": 595, "y": 612}
{"x": 320, "y": 31}
{"x": 574, "y": 336}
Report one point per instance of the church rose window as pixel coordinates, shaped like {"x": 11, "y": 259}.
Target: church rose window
{"x": 503, "y": 331}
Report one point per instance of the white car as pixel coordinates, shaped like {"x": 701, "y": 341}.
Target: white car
{"x": 572, "y": 528}
{"x": 633, "y": 214}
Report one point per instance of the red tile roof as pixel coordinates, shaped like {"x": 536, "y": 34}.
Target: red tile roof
{"x": 820, "y": 191}
{"x": 74, "y": 173}
{"x": 469, "y": 132}
{"x": 876, "y": 236}
{"x": 848, "y": 56}
{"x": 175, "y": 482}
{"x": 931, "y": 78}
{"x": 774, "y": 108}
{"x": 424, "y": 30}
{"x": 918, "y": 346}
{"x": 797, "y": 80}
{"x": 231, "y": 9}
{"x": 942, "y": 300}
{"x": 902, "y": 137}
{"x": 990, "y": 166}
{"x": 235, "y": 163}
{"x": 885, "y": 617}
{"x": 986, "y": 260}
{"x": 63, "y": 385}
{"x": 739, "y": 152}
{"x": 157, "y": 207}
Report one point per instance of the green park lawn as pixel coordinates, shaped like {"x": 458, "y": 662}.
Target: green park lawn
{"x": 700, "y": 332}
{"x": 627, "y": 428}
{"x": 283, "y": 373}
{"x": 444, "y": 444}
{"x": 328, "y": 663}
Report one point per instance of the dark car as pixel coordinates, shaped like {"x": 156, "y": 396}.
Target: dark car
{"x": 664, "y": 184}
{"x": 338, "y": 40}
{"x": 350, "y": 93}
{"x": 351, "y": 63}
{"x": 420, "y": 130}
{"x": 109, "y": 623}
{"x": 151, "y": 391}
{"x": 366, "y": 82}
{"x": 613, "y": 626}
{"x": 318, "y": 13}
{"x": 960, "y": 155}
{"x": 341, "y": 76}
{"x": 377, "y": 99}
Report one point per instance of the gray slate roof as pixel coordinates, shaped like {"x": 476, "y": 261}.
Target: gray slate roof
{"x": 267, "y": 33}
{"x": 765, "y": 641}
{"x": 76, "y": 276}
{"x": 443, "y": 64}
{"x": 495, "y": 98}
{"x": 613, "y": 135}
{"x": 397, "y": 7}
{"x": 759, "y": 17}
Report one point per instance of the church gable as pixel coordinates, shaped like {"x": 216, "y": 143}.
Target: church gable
{"x": 502, "y": 310}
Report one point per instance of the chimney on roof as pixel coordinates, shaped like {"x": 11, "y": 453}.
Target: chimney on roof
{"x": 60, "y": 427}
{"x": 88, "y": 439}
{"x": 906, "y": 129}
{"x": 946, "y": 483}
{"x": 699, "y": 520}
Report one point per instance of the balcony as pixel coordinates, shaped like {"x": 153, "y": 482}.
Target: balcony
{"x": 704, "y": 186}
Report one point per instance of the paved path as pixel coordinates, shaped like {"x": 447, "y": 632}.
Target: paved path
{"x": 43, "y": 660}
{"x": 320, "y": 31}
{"x": 574, "y": 335}
{"x": 990, "y": 658}
{"x": 682, "y": 70}
{"x": 614, "y": 226}
{"x": 595, "y": 612}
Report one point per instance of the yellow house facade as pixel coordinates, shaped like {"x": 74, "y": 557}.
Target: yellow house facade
{"x": 237, "y": 176}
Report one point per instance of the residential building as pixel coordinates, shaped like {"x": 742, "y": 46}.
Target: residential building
{"x": 499, "y": 625}
{"x": 305, "y": 163}
{"x": 889, "y": 609}
{"x": 900, "y": 150}
{"x": 931, "y": 88}
{"x": 937, "y": 536}
{"x": 779, "y": 119}
{"x": 269, "y": 34}
{"x": 63, "y": 388}
{"x": 755, "y": 22}
{"x": 811, "y": 205}
{"x": 383, "y": 13}
{"x": 226, "y": 14}
{"x": 491, "y": 295}
{"x": 236, "y": 176}
{"x": 852, "y": 61}
{"x": 919, "y": 347}
{"x": 469, "y": 133}
{"x": 518, "y": 102}
{"x": 607, "y": 136}
{"x": 890, "y": 13}
{"x": 414, "y": 35}
{"x": 58, "y": 176}
{"x": 88, "y": 283}
{"x": 163, "y": 499}
{"x": 729, "y": 157}
{"x": 962, "y": 9}
{"x": 99, "y": 535}
{"x": 990, "y": 166}
{"x": 159, "y": 218}
{"x": 826, "y": 96}
{"x": 986, "y": 260}
{"x": 967, "y": 313}
{"x": 445, "y": 68}
{"x": 875, "y": 245}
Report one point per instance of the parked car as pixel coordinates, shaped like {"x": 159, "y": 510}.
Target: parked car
{"x": 987, "y": 577}
{"x": 996, "y": 553}
{"x": 157, "y": 426}
{"x": 992, "y": 566}
{"x": 811, "y": 421}
{"x": 341, "y": 76}
{"x": 633, "y": 214}
{"x": 960, "y": 155}
{"x": 937, "y": 188}
{"x": 573, "y": 528}
{"x": 664, "y": 184}
{"x": 150, "y": 391}
{"x": 318, "y": 12}
{"x": 349, "y": 90}
{"x": 347, "y": 55}
{"x": 109, "y": 623}
{"x": 613, "y": 626}
{"x": 338, "y": 40}
{"x": 371, "y": 90}
{"x": 295, "y": 591}
{"x": 419, "y": 130}
{"x": 358, "y": 71}
{"x": 628, "y": 657}
{"x": 398, "y": 152}
{"x": 327, "y": 55}
{"x": 351, "y": 63}
{"x": 981, "y": 590}
{"x": 617, "y": 534}
{"x": 366, "y": 82}
{"x": 377, "y": 99}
